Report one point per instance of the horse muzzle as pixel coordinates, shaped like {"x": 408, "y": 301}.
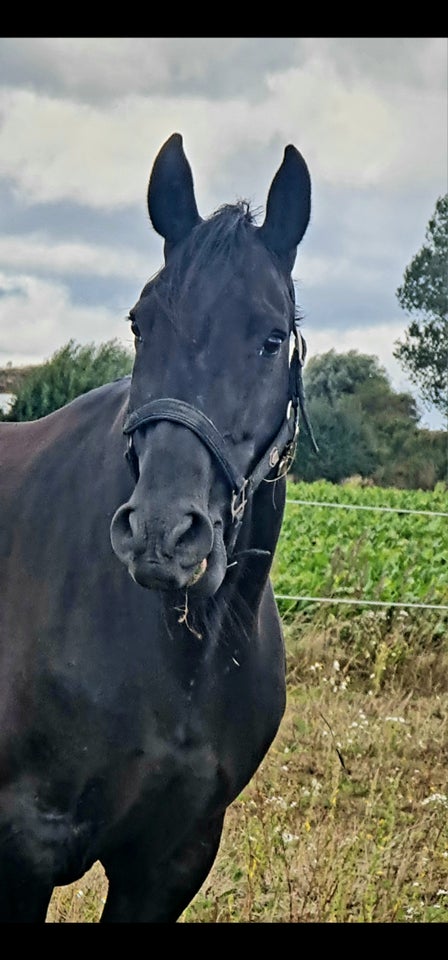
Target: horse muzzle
{"x": 166, "y": 553}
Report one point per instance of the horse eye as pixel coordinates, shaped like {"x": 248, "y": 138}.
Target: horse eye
{"x": 272, "y": 343}
{"x": 136, "y": 331}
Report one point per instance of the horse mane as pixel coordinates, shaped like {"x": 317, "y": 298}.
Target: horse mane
{"x": 215, "y": 244}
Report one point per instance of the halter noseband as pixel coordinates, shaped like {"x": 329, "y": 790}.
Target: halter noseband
{"x": 280, "y": 452}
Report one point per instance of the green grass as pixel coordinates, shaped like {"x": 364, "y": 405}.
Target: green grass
{"x": 346, "y": 819}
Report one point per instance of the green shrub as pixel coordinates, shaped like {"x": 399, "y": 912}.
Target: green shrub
{"x": 71, "y": 371}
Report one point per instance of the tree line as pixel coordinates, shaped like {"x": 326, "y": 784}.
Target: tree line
{"x": 365, "y": 428}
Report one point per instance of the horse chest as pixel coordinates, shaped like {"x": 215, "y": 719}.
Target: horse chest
{"x": 139, "y": 732}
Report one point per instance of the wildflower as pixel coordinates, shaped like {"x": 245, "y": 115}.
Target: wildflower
{"x": 436, "y": 798}
{"x": 277, "y": 802}
{"x": 289, "y": 837}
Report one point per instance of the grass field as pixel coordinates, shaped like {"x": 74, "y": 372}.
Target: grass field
{"x": 346, "y": 820}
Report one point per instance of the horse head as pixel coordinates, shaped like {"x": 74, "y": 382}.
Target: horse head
{"x": 212, "y": 406}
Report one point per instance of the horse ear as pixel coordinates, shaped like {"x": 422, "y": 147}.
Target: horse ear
{"x": 288, "y": 207}
{"x": 171, "y": 201}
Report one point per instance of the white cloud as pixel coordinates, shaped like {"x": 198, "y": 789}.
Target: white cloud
{"x": 57, "y": 149}
{"x": 37, "y": 251}
{"x": 350, "y": 131}
{"x": 100, "y": 68}
{"x": 356, "y": 133}
{"x": 374, "y": 340}
{"x": 37, "y": 317}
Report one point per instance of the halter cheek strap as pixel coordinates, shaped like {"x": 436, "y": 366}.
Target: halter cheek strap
{"x": 280, "y": 452}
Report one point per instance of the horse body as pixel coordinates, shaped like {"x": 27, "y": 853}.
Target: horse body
{"x": 142, "y": 674}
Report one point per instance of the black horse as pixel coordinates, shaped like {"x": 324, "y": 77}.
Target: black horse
{"x": 142, "y": 670}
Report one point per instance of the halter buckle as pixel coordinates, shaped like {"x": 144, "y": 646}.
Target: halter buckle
{"x": 288, "y": 457}
{"x": 238, "y": 503}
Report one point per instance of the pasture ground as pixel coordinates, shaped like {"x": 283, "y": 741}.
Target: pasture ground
{"x": 346, "y": 820}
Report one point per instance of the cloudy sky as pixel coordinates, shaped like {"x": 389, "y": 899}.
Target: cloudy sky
{"x": 81, "y": 120}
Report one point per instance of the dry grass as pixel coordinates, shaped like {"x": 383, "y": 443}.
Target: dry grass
{"x": 346, "y": 820}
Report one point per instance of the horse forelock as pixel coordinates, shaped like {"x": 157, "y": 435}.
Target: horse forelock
{"x": 210, "y": 254}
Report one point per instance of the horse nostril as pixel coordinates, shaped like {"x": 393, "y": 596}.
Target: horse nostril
{"x": 125, "y": 534}
{"x": 191, "y": 539}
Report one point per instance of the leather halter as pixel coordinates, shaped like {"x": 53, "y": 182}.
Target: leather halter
{"x": 280, "y": 452}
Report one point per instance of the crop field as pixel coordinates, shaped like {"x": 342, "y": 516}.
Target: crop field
{"x": 346, "y": 821}
{"x": 368, "y": 554}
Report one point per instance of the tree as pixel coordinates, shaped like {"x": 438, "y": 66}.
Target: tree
{"x": 71, "y": 371}
{"x": 362, "y": 426}
{"x": 330, "y": 375}
{"x": 424, "y": 292}
{"x": 333, "y": 385}
{"x": 346, "y": 442}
